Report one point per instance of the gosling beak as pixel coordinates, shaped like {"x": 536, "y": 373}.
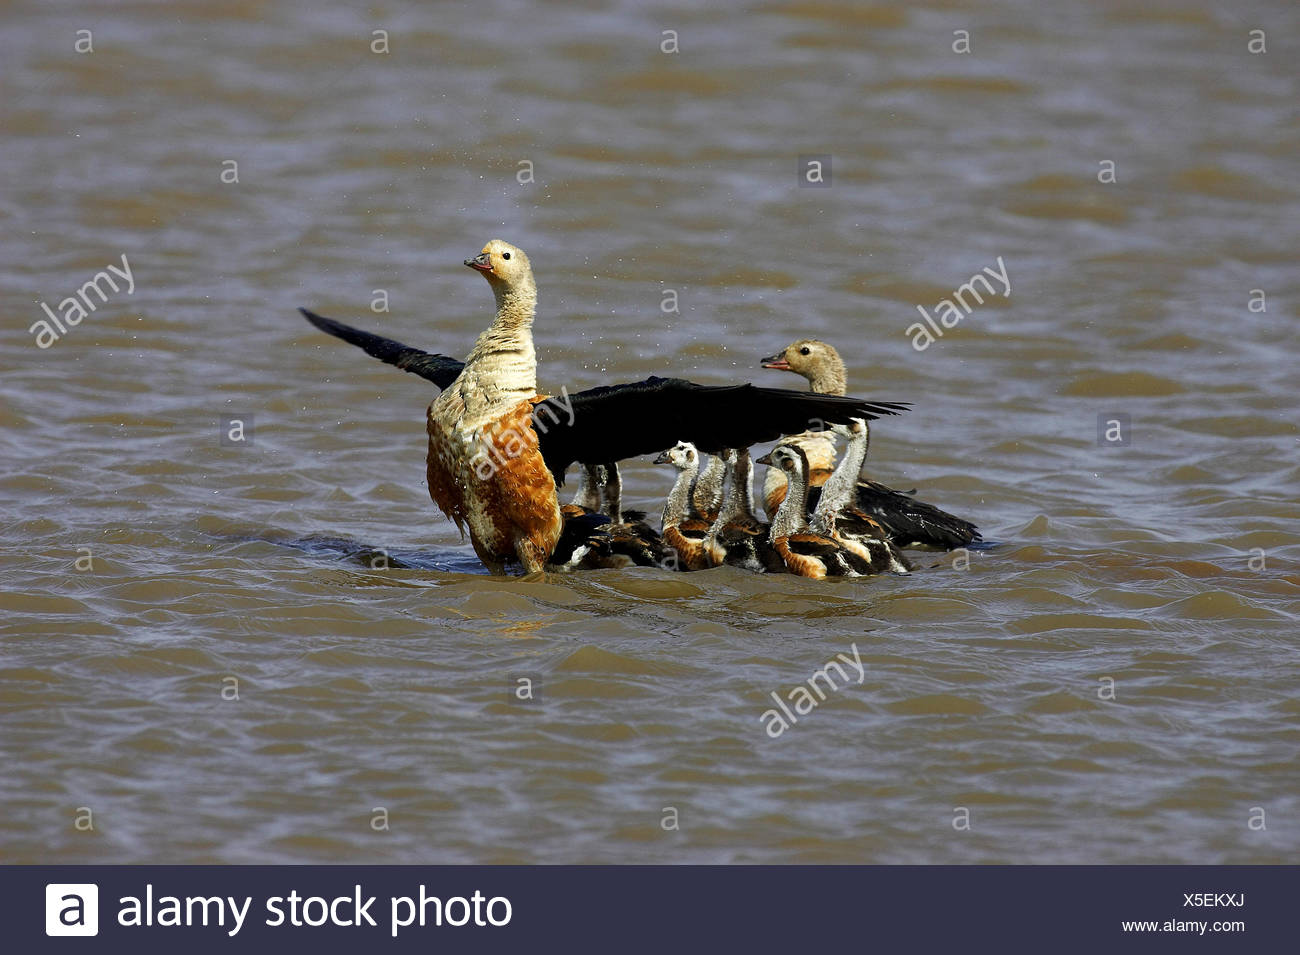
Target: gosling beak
{"x": 480, "y": 262}
{"x": 765, "y": 459}
{"x": 776, "y": 361}
{"x": 663, "y": 458}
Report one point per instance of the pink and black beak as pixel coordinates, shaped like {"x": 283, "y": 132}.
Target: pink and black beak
{"x": 482, "y": 262}
{"x": 776, "y": 361}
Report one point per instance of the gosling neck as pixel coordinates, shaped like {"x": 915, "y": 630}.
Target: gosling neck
{"x": 840, "y": 487}
{"x": 792, "y": 515}
{"x": 740, "y": 494}
{"x": 587, "y": 495}
{"x": 706, "y": 491}
{"x": 611, "y": 492}
{"x": 679, "y": 498}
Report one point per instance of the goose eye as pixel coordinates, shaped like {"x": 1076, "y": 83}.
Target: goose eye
{"x": 803, "y": 351}
{"x": 505, "y": 255}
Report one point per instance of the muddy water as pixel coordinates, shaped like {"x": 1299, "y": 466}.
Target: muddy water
{"x": 1117, "y": 682}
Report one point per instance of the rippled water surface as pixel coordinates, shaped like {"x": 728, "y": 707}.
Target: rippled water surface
{"x": 152, "y": 571}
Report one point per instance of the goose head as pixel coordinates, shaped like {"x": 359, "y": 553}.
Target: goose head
{"x": 788, "y": 457}
{"x": 682, "y": 456}
{"x": 502, "y": 264}
{"x": 815, "y": 360}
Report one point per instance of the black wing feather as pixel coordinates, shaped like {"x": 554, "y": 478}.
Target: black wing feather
{"x": 614, "y": 422}
{"x": 439, "y": 369}
{"x": 911, "y": 522}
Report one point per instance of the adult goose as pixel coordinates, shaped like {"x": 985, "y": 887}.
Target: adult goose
{"x": 909, "y": 522}
{"x": 498, "y": 449}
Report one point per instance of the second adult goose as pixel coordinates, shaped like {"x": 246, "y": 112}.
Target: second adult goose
{"x": 909, "y": 522}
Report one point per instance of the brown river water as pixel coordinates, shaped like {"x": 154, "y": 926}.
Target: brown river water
{"x": 1116, "y": 681}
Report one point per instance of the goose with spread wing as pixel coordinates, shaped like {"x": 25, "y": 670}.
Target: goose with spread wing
{"x": 498, "y": 449}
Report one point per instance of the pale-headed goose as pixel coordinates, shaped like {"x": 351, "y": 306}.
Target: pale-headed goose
{"x": 909, "y": 522}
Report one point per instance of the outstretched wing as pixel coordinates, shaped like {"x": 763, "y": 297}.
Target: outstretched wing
{"x": 614, "y": 422}
{"x": 439, "y": 369}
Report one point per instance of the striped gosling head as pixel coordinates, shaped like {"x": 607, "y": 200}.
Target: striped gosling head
{"x": 788, "y": 457}
{"x": 682, "y": 455}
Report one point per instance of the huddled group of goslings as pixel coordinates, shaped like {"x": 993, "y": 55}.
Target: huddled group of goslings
{"x": 498, "y": 450}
